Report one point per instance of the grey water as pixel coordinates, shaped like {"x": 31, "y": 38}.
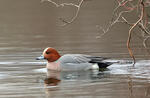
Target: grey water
{"x": 29, "y": 26}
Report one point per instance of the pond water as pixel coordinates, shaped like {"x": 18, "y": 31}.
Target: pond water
{"x": 29, "y": 26}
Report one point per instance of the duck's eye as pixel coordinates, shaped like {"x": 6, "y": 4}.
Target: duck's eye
{"x": 47, "y": 52}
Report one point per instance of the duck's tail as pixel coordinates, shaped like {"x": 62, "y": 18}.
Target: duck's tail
{"x": 101, "y": 64}
{"x": 104, "y": 64}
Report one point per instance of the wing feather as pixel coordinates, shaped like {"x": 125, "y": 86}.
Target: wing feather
{"x": 74, "y": 58}
{"x": 80, "y": 58}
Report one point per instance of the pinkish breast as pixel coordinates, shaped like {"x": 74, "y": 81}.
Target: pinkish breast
{"x": 53, "y": 66}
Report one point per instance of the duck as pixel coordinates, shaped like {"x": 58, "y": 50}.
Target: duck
{"x": 72, "y": 62}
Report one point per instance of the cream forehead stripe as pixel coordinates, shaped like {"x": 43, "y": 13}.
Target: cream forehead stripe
{"x": 45, "y": 50}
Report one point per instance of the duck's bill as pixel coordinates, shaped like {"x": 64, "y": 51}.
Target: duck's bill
{"x": 40, "y": 58}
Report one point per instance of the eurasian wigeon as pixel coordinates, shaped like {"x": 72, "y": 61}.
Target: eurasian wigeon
{"x": 69, "y": 62}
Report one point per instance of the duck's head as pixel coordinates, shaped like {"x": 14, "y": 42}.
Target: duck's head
{"x": 50, "y": 54}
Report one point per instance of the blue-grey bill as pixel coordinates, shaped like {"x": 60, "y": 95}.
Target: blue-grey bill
{"x": 40, "y": 58}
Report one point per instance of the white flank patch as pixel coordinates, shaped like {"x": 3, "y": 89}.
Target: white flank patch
{"x": 95, "y": 66}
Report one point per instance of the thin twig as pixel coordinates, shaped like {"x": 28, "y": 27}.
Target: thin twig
{"x": 67, "y": 4}
{"x": 113, "y": 22}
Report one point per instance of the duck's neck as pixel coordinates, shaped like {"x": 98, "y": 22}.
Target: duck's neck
{"x": 56, "y": 57}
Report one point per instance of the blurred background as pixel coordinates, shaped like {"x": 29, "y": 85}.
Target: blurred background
{"x": 29, "y": 26}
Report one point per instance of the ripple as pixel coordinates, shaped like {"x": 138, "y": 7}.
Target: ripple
{"x": 3, "y": 75}
{"x": 141, "y": 69}
{"x": 41, "y": 70}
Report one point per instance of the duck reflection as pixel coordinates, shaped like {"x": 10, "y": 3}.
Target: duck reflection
{"x": 51, "y": 81}
{"x": 53, "y": 78}
{"x": 57, "y": 81}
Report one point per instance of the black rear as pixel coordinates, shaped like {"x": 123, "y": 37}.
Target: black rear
{"x": 100, "y": 62}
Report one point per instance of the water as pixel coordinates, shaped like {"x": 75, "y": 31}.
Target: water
{"x": 29, "y": 26}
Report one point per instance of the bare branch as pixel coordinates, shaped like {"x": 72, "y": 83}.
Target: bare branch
{"x": 130, "y": 31}
{"x": 113, "y": 22}
{"x": 67, "y": 4}
{"x": 142, "y": 22}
